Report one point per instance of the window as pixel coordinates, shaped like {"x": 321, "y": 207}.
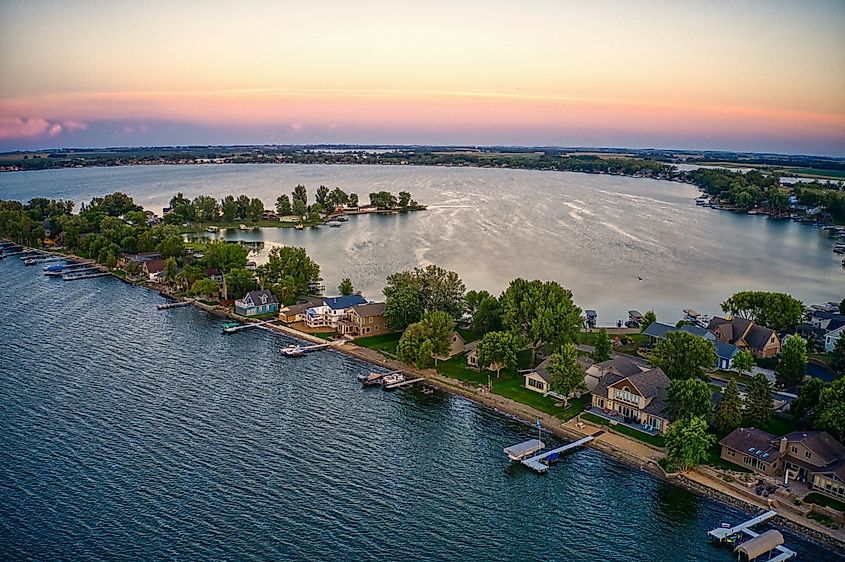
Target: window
{"x": 808, "y": 454}
{"x": 536, "y": 384}
{"x": 601, "y": 402}
{"x": 731, "y": 453}
{"x": 746, "y": 459}
{"x": 794, "y": 450}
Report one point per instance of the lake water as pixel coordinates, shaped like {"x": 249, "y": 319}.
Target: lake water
{"x": 618, "y": 243}
{"x": 137, "y": 434}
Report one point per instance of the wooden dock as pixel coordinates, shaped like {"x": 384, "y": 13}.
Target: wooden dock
{"x": 234, "y": 329}
{"x": 536, "y": 463}
{"x": 403, "y": 383}
{"x": 84, "y": 275}
{"x": 173, "y": 304}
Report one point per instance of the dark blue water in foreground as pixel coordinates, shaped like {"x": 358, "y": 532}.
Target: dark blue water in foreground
{"x": 138, "y": 434}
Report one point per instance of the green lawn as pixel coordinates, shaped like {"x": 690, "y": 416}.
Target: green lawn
{"x": 328, "y": 336}
{"x": 656, "y": 440}
{"x": 385, "y": 343}
{"x": 781, "y": 426}
{"x": 821, "y": 499}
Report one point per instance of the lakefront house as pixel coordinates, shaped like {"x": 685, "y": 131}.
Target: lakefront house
{"x": 255, "y": 303}
{"x": 364, "y": 320}
{"x": 813, "y": 457}
{"x": 745, "y": 334}
{"x": 636, "y": 398}
{"x": 330, "y": 310}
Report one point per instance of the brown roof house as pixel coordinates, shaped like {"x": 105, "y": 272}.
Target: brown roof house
{"x": 807, "y": 456}
{"x": 619, "y": 365}
{"x": 457, "y": 345}
{"x": 745, "y": 334}
{"x": 364, "y": 320}
{"x": 633, "y": 396}
{"x": 296, "y": 312}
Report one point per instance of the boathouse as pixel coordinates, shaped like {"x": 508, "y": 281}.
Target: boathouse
{"x": 256, "y": 303}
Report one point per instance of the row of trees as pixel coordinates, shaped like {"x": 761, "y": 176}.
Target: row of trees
{"x": 205, "y": 208}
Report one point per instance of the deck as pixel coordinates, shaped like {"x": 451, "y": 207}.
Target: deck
{"x": 721, "y": 533}
{"x": 536, "y": 463}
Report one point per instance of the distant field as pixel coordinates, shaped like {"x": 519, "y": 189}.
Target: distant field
{"x": 814, "y": 173}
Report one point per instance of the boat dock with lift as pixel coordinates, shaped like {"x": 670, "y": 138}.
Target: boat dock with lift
{"x": 173, "y": 304}
{"x": 527, "y": 452}
{"x": 295, "y": 350}
{"x": 232, "y": 327}
{"x": 400, "y": 384}
{"x": 758, "y": 543}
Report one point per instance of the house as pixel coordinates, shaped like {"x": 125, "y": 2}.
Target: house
{"x": 539, "y": 379}
{"x": 138, "y": 258}
{"x": 153, "y": 269}
{"x": 636, "y": 398}
{"x": 658, "y": 331}
{"x": 257, "y": 302}
{"x": 832, "y": 337}
{"x": 364, "y": 320}
{"x": 619, "y": 365}
{"x": 745, "y": 334}
{"x": 472, "y": 357}
{"x": 296, "y": 312}
{"x": 813, "y": 457}
{"x": 457, "y": 345}
{"x": 328, "y": 312}
{"x": 725, "y": 354}
{"x": 826, "y": 320}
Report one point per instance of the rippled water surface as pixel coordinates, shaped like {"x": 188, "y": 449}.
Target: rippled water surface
{"x": 132, "y": 433}
{"x": 619, "y": 243}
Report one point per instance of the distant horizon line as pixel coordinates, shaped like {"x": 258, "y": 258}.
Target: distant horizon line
{"x": 426, "y": 145}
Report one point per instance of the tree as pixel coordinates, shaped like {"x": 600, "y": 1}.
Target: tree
{"x": 497, "y": 351}
{"x": 488, "y": 315}
{"x": 404, "y": 199}
{"x": 321, "y": 194}
{"x": 171, "y": 268}
{"x": 728, "y": 414}
{"x": 300, "y": 208}
{"x": 758, "y": 400}
{"x": 743, "y": 361}
{"x": 243, "y": 205}
{"x": 353, "y": 201}
{"x": 283, "y": 207}
{"x": 649, "y": 318}
{"x": 436, "y": 289}
{"x": 291, "y": 263}
{"x": 542, "y": 313}
{"x": 438, "y": 328}
{"x": 804, "y": 406}
{"x": 687, "y": 398}
{"x": 830, "y": 413}
{"x": 682, "y": 355}
{"x": 837, "y": 357}
{"x": 778, "y": 311}
{"x": 345, "y": 288}
{"x": 414, "y": 347}
{"x": 206, "y": 208}
{"x": 565, "y": 374}
{"x": 793, "y": 362}
{"x": 171, "y": 247}
{"x": 403, "y": 307}
{"x": 224, "y": 256}
{"x": 300, "y": 194}
{"x": 603, "y": 346}
{"x": 229, "y": 208}
{"x": 205, "y": 287}
{"x": 256, "y": 210}
{"x": 688, "y": 442}
{"x": 239, "y": 282}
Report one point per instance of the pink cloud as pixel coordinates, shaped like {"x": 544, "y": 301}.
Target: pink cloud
{"x": 31, "y": 127}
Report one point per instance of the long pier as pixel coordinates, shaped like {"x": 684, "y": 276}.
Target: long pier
{"x": 536, "y": 463}
{"x": 86, "y": 274}
{"x": 234, "y": 329}
{"x": 173, "y": 304}
{"x": 403, "y": 383}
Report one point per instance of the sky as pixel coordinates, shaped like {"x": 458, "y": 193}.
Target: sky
{"x": 739, "y": 75}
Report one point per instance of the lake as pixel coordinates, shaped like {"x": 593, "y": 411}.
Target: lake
{"x": 137, "y": 434}
{"x": 618, "y": 243}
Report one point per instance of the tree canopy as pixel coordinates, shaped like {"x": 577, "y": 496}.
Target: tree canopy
{"x": 728, "y": 414}
{"x": 682, "y": 355}
{"x": 777, "y": 311}
{"x": 565, "y": 374}
{"x": 649, "y": 318}
{"x": 689, "y": 397}
{"x": 743, "y": 361}
{"x": 239, "y": 282}
{"x": 345, "y": 288}
{"x": 809, "y": 393}
{"x": 759, "y": 404}
{"x": 688, "y": 442}
{"x": 411, "y": 294}
{"x": 830, "y": 411}
{"x": 429, "y": 338}
{"x": 793, "y": 363}
{"x": 603, "y": 346}
{"x": 541, "y": 313}
{"x": 288, "y": 267}
{"x": 497, "y": 350}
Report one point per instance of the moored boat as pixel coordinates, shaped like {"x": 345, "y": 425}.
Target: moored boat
{"x": 370, "y": 379}
{"x": 212, "y": 229}
{"x": 292, "y": 351}
{"x": 392, "y": 378}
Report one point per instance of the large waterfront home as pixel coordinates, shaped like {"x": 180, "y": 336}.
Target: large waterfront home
{"x": 296, "y": 312}
{"x": 658, "y": 331}
{"x": 745, "y": 334}
{"x": 813, "y": 457}
{"x": 364, "y": 320}
{"x": 631, "y": 394}
{"x": 257, "y": 302}
{"x": 331, "y": 310}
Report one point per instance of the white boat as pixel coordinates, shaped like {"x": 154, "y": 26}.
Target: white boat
{"x": 393, "y": 378}
{"x": 212, "y": 229}
{"x": 243, "y": 227}
{"x": 370, "y": 378}
{"x": 293, "y": 351}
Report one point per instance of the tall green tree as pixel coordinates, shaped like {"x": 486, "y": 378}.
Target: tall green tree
{"x": 299, "y": 194}
{"x": 830, "y": 412}
{"x": 300, "y": 208}
{"x": 436, "y": 288}
{"x": 541, "y": 313}
{"x": 809, "y": 393}
{"x": 229, "y": 208}
{"x": 256, "y": 210}
{"x": 497, "y": 350}
{"x": 603, "y": 346}
{"x": 292, "y": 263}
{"x": 345, "y": 288}
{"x": 403, "y": 307}
{"x": 414, "y": 346}
{"x": 206, "y": 208}
{"x": 438, "y": 328}
{"x": 206, "y": 287}
{"x": 283, "y": 207}
{"x": 239, "y": 282}
{"x": 778, "y": 311}
{"x": 688, "y": 442}
{"x": 224, "y": 256}
{"x": 793, "y": 363}
{"x": 565, "y": 374}
{"x": 682, "y": 355}
{"x": 728, "y": 414}
{"x": 649, "y": 318}
{"x": 320, "y": 195}
{"x": 743, "y": 361}
{"x": 171, "y": 269}
{"x": 759, "y": 404}
{"x": 689, "y": 397}
{"x": 837, "y": 356}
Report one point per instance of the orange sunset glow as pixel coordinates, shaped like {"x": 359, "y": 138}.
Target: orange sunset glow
{"x": 765, "y": 76}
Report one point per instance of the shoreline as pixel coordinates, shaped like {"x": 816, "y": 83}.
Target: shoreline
{"x": 621, "y": 450}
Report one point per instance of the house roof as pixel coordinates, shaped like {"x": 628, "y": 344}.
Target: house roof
{"x": 733, "y": 330}
{"x": 822, "y": 443}
{"x": 758, "y": 336}
{"x": 154, "y": 266}
{"x": 621, "y": 365}
{"x": 725, "y": 350}
{"x": 837, "y": 468}
{"x": 651, "y": 384}
{"x": 761, "y": 444}
{"x": 299, "y": 308}
{"x": 369, "y": 309}
{"x": 541, "y": 370}
{"x": 255, "y": 297}
{"x": 340, "y": 303}
{"x": 660, "y": 330}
